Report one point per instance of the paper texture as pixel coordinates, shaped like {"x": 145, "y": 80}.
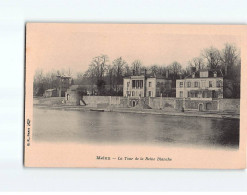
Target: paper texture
{"x": 135, "y": 96}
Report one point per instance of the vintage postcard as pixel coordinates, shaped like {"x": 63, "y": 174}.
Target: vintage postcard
{"x": 135, "y": 96}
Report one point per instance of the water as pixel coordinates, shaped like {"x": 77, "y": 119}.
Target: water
{"x": 120, "y": 128}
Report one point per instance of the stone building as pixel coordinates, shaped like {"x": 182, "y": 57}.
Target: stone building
{"x": 203, "y": 84}
{"x": 200, "y": 91}
{"x": 146, "y": 85}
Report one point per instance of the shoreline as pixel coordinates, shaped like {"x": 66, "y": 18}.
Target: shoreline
{"x": 217, "y": 115}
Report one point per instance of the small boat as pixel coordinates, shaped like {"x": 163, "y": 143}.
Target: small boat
{"x": 98, "y": 110}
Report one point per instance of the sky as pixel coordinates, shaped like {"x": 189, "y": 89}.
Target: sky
{"x": 72, "y": 46}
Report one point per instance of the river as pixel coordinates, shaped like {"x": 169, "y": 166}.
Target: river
{"x": 120, "y": 128}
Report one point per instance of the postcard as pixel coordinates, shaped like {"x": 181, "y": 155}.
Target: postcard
{"x": 135, "y": 96}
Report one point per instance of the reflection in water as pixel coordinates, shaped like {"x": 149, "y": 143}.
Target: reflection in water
{"x": 112, "y": 127}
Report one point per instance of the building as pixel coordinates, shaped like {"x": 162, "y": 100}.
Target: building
{"x": 74, "y": 95}
{"x": 50, "y": 93}
{"x": 203, "y": 84}
{"x": 146, "y": 85}
{"x": 64, "y": 83}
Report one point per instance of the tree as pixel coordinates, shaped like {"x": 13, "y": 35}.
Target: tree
{"x": 229, "y": 58}
{"x": 197, "y": 63}
{"x": 231, "y": 65}
{"x": 98, "y": 66}
{"x": 212, "y": 57}
{"x": 136, "y": 66}
{"x": 110, "y": 75}
{"x": 96, "y": 71}
{"x": 118, "y": 67}
{"x": 175, "y": 69}
{"x": 127, "y": 70}
{"x": 154, "y": 69}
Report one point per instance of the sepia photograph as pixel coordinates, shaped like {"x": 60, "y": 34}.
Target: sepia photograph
{"x": 131, "y": 85}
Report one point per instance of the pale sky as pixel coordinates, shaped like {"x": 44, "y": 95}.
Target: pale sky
{"x": 63, "y": 46}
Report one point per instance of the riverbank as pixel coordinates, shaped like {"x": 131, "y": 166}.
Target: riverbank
{"x": 221, "y": 115}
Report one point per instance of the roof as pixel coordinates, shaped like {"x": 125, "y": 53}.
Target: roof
{"x": 148, "y": 75}
{"x": 50, "y": 90}
{"x": 210, "y": 73}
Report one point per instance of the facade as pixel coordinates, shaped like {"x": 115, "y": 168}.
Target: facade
{"x": 203, "y": 84}
{"x": 145, "y": 86}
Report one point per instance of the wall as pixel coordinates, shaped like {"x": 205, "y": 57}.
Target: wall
{"x": 152, "y": 88}
{"x": 222, "y": 105}
{"x": 96, "y": 101}
{"x": 162, "y": 103}
{"x": 72, "y": 98}
{"x": 92, "y": 101}
{"x": 229, "y": 105}
{"x": 200, "y": 86}
{"x": 166, "y": 104}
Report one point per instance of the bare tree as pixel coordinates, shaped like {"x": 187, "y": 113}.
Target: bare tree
{"x": 212, "y": 57}
{"x": 136, "y": 66}
{"x": 98, "y": 65}
{"x": 127, "y": 70}
{"x": 154, "y": 69}
{"x": 118, "y": 67}
{"x": 229, "y": 58}
{"x": 175, "y": 69}
{"x": 197, "y": 62}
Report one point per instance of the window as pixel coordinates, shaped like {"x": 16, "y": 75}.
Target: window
{"x": 196, "y": 84}
{"x": 188, "y": 94}
{"x": 150, "y": 84}
{"x": 133, "y": 93}
{"x": 149, "y": 93}
{"x": 137, "y": 84}
{"x": 181, "y": 84}
{"x": 141, "y": 83}
{"x": 133, "y": 84}
{"x": 188, "y": 84}
{"x": 181, "y": 94}
{"x": 128, "y": 84}
{"x": 210, "y": 84}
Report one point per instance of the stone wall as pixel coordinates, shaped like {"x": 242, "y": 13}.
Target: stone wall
{"x": 92, "y": 101}
{"x": 164, "y": 103}
{"x": 222, "y": 105}
{"x": 95, "y": 101}
{"x": 229, "y": 105}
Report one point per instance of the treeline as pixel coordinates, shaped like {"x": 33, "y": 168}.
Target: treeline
{"x": 107, "y": 76}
